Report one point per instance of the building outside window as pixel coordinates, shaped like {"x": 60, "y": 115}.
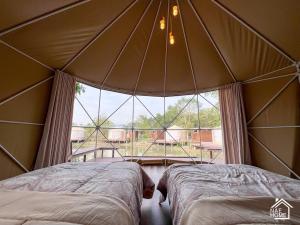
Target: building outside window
{"x": 109, "y": 125}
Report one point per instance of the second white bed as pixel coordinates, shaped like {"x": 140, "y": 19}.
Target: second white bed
{"x": 216, "y": 194}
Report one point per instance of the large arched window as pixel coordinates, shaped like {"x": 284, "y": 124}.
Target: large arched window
{"x": 114, "y": 125}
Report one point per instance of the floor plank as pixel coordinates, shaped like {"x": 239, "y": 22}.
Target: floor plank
{"x": 152, "y": 212}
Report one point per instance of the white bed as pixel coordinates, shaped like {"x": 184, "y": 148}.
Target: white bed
{"x": 213, "y": 194}
{"x": 125, "y": 183}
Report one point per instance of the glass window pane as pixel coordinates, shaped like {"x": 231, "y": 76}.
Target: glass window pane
{"x": 132, "y": 127}
{"x": 111, "y": 101}
{"x": 88, "y": 97}
{"x": 180, "y": 111}
{"x": 148, "y": 112}
{"x": 209, "y": 112}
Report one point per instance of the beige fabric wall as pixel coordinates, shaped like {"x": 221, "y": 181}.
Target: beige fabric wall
{"x": 56, "y": 39}
{"x": 284, "y": 110}
{"x": 22, "y": 141}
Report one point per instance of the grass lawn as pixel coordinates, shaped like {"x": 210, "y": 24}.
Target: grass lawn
{"x": 145, "y": 147}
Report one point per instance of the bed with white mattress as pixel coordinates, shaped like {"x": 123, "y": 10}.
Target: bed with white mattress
{"x": 76, "y": 193}
{"x": 226, "y": 194}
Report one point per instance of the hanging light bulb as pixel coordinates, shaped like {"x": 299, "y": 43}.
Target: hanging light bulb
{"x": 171, "y": 38}
{"x": 175, "y": 10}
{"x": 162, "y": 23}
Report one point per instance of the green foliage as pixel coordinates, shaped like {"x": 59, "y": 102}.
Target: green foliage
{"x": 209, "y": 118}
{"x": 213, "y": 94}
{"x": 79, "y": 88}
{"x": 107, "y": 123}
{"x": 145, "y": 122}
{"x": 188, "y": 118}
{"x": 98, "y": 122}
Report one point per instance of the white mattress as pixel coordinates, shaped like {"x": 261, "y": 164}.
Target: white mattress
{"x": 185, "y": 184}
{"x": 123, "y": 180}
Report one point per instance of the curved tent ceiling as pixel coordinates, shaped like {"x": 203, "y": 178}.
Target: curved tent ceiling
{"x": 118, "y": 45}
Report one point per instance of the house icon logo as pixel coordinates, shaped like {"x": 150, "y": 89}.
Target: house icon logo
{"x": 280, "y": 210}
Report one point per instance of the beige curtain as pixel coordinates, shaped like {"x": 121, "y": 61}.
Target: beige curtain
{"x": 55, "y": 143}
{"x": 235, "y": 136}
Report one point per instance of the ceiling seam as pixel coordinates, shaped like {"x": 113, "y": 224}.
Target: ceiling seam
{"x": 274, "y": 127}
{"x": 270, "y": 78}
{"x": 249, "y": 27}
{"x": 147, "y": 47}
{"x": 43, "y": 16}
{"x": 273, "y": 155}
{"x": 212, "y": 41}
{"x": 187, "y": 47}
{"x": 166, "y": 50}
{"x": 165, "y": 78}
{"x": 125, "y": 44}
{"x": 25, "y": 90}
{"x": 13, "y": 158}
{"x": 99, "y": 34}
{"x": 26, "y": 55}
{"x": 21, "y": 122}
{"x": 271, "y": 100}
{"x": 271, "y": 72}
{"x": 192, "y": 70}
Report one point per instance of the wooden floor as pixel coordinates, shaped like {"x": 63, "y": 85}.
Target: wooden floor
{"x": 152, "y": 212}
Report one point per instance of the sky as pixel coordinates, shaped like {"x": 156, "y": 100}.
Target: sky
{"x": 110, "y": 101}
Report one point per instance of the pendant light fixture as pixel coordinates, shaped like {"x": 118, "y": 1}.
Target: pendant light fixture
{"x": 171, "y": 38}
{"x": 175, "y": 10}
{"x": 162, "y": 23}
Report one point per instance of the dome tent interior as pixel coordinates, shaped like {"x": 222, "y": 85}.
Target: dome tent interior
{"x": 118, "y": 46}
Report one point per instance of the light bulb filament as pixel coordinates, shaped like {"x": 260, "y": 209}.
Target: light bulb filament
{"x": 162, "y": 23}
{"x": 171, "y": 38}
{"x": 175, "y": 10}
